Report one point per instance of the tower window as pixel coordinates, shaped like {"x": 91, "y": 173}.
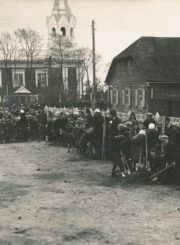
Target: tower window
{"x": 54, "y": 32}
{"x": 63, "y": 29}
{"x": 72, "y": 32}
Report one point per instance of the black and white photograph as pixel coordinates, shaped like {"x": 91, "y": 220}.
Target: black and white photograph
{"x": 89, "y": 122}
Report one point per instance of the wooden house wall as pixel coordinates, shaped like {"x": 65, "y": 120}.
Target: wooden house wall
{"x": 165, "y": 99}
{"x": 125, "y": 77}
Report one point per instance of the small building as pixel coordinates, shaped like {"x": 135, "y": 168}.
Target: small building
{"x": 22, "y": 96}
{"x": 145, "y": 77}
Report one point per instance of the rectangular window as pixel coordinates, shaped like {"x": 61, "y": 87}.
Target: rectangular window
{"x": 140, "y": 98}
{"x": 111, "y": 96}
{"x": 65, "y": 77}
{"x": 18, "y": 78}
{"x": 115, "y": 97}
{"x": 126, "y": 97}
{"x": 41, "y": 79}
{"x": 152, "y": 93}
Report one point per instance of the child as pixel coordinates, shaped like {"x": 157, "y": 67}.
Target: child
{"x": 118, "y": 151}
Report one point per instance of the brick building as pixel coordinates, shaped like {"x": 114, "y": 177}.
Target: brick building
{"x": 146, "y": 77}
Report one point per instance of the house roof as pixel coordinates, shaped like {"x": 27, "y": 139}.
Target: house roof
{"x": 155, "y": 58}
{"x": 22, "y": 90}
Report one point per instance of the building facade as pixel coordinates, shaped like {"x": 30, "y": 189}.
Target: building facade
{"x": 51, "y": 81}
{"x": 145, "y": 77}
{"x": 44, "y": 82}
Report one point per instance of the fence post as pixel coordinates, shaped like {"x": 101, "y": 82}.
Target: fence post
{"x": 163, "y": 131}
{"x": 104, "y": 137}
{"x": 163, "y": 124}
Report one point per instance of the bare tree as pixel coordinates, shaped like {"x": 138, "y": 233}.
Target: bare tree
{"x": 7, "y": 47}
{"x": 29, "y": 42}
{"x": 8, "y": 51}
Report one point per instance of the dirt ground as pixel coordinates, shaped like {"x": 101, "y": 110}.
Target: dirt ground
{"x": 48, "y": 196}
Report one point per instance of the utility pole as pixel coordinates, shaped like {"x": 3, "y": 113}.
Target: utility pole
{"x": 62, "y": 96}
{"x": 48, "y": 65}
{"x": 94, "y": 66}
{"x": 49, "y": 61}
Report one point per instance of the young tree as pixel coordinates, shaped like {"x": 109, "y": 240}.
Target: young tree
{"x": 87, "y": 57}
{"x": 62, "y": 49}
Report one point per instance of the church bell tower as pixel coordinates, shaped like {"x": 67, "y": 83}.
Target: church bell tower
{"x": 62, "y": 21}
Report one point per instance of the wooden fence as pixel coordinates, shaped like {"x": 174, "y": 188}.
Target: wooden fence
{"x": 140, "y": 117}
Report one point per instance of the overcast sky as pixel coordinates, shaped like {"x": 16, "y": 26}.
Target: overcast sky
{"x": 118, "y": 22}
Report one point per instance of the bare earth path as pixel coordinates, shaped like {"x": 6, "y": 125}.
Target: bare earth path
{"x": 50, "y": 197}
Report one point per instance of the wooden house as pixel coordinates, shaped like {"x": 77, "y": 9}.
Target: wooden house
{"x": 145, "y": 77}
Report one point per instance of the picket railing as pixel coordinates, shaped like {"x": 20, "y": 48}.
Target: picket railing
{"x": 140, "y": 117}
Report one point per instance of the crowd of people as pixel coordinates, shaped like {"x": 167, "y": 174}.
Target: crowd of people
{"x": 125, "y": 142}
{"x": 22, "y": 125}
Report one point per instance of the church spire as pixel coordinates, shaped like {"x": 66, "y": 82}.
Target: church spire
{"x": 61, "y": 21}
{"x": 56, "y": 5}
{"x": 61, "y": 7}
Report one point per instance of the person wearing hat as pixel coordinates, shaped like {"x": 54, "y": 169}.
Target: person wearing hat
{"x": 148, "y": 120}
{"x": 97, "y": 111}
{"x": 113, "y": 124}
{"x": 23, "y": 130}
{"x": 132, "y": 118}
{"x": 172, "y": 156}
{"x": 152, "y": 135}
{"x": 153, "y": 145}
{"x": 136, "y": 128}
